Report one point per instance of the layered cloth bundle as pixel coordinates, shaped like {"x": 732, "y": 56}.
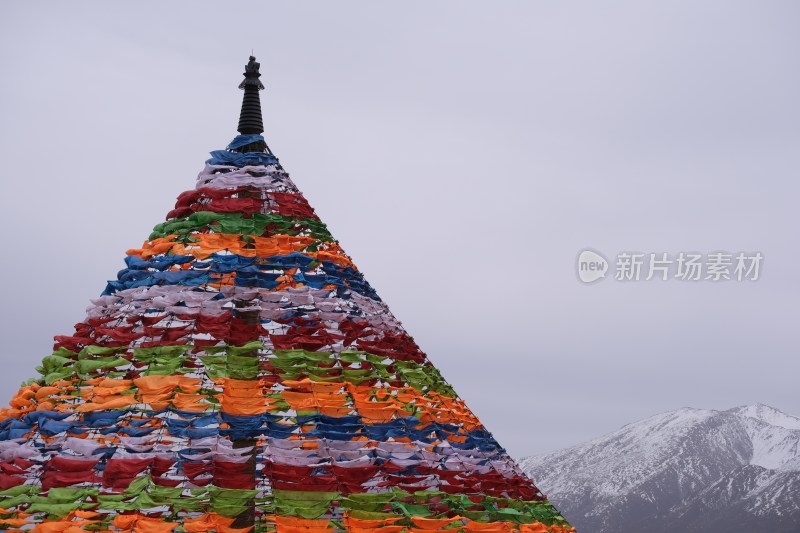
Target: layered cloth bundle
{"x": 239, "y": 375}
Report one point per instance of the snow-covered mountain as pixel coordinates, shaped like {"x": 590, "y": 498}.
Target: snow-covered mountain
{"x": 690, "y": 470}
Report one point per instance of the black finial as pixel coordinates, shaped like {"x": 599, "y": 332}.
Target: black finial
{"x": 250, "y": 122}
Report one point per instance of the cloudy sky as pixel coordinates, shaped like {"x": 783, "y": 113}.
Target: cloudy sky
{"x": 463, "y": 153}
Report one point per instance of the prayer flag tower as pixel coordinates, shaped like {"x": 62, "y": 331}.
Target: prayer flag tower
{"x": 240, "y": 374}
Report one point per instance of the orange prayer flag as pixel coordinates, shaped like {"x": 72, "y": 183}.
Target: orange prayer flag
{"x": 14, "y": 522}
{"x": 369, "y": 523}
{"x": 536, "y": 527}
{"x": 433, "y": 523}
{"x": 380, "y": 529}
{"x": 490, "y": 527}
{"x": 111, "y": 402}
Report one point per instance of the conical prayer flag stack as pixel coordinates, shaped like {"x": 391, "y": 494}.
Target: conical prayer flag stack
{"x": 240, "y": 374}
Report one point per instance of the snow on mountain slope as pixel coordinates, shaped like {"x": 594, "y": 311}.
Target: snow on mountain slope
{"x": 773, "y": 446}
{"x": 767, "y": 414}
{"x": 684, "y": 470}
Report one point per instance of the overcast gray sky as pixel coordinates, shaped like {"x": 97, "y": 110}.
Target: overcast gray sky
{"x": 463, "y": 153}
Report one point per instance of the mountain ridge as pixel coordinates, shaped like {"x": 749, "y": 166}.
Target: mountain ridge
{"x": 684, "y": 470}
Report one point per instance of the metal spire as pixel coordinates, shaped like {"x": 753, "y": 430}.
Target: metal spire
{"x": 250, "y": 122}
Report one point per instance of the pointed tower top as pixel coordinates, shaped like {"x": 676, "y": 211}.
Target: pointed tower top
{"x": 250, "y": 122}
